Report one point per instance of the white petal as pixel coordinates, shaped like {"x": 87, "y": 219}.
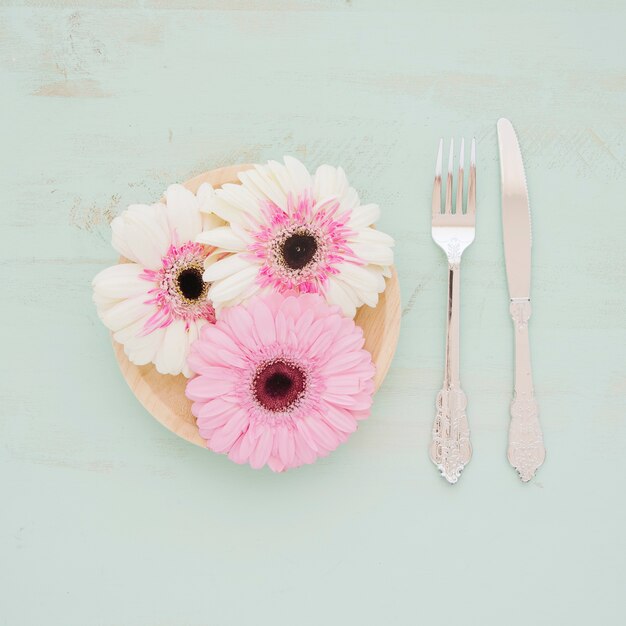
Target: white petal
{"x": 352, "y": 293}
{"x": 211, "y": 220}
{"x": 213, "y": 257}
{"x": 371, "y": 235}
{"x": 336, "y": 294}
{"x": 292, "y": 177}
{"x": 324, "y": 182}
{"x": 171, "y": 356}
{"x": 263, "y": 185}
{"x": 349, "y": 200}
{"x": 281, "y": 174}
{"x": 364, "y": 215}
{"x": 223, "y": 237}
{"x": 330, "y": 181}
{"x": 252, "y": 291}
{"x": 125, "y": 312}
{"x": 342, "y": 182}
{"x": 241, "y": 198}
{"x": 179, "y": 197}
{"x": 365, "y": 296}
{"x": 360, "y": 277}
{"x": 192, "y": 334}
{"x": 118, "y": 238}
{"x": 301, "y": 180}
{"x": 373, "y": 253}
{"x": 121, "y": 281}
{"x": 225, "y": 267}
{"x": 142, "y": 349}
{"x": 230, "y": 288}
{"x": 133, "y": 331}
{"x": 103, "y": 303}
{"x": 141, "y": 234}
{"x": 206, "y": 197}
{"x": 230, "y": 213}
{"x": 183, "y": 214}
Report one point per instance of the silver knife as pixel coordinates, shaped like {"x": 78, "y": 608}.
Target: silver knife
{"x": 526, "y": 451}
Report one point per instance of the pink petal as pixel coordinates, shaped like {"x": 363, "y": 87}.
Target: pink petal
{"x": 344, "y": 362}
{"x": 222, "y": 439}
{"x": 286, "y": 445}
{"x": 323, "y": 433}
{"x": 340, "y": 419}
{"x": 343, "y": 384}
{"x": 264, "y": 323}
{"x": 261, "y": 453}
{"x": 304, "y": 322}
{"x": 281, "y": 327}
{"x": 238, "y": 423}
{"x": 241, "y": 325}
{"x": 361, "y": 415}
{"x": 248, "y": 442}
{"x": 357, "y": 402}
{"x": 212, "y": 407}
{"x": 199, "y": 389}
{"x": 310, "y": 335}
{"x": 304, "y": 453}
{"x": 212, "y": 422}
{"x": 273, "y": 302}
{"x": 275, "y": 464}
{"x": 322, "y": 345}
{"x": 291, "y": 308}
{"x": 307, "y": 435}
{"x": 215, "y": 372}
{"x": 347, "y": 341}
{"x": 235, "y": 452}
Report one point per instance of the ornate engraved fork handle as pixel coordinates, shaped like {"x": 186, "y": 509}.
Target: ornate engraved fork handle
{"x": 526, "y": 451}
{"x": 450, "y": 449}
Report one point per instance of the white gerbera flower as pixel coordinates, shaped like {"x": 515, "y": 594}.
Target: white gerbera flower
{"x": 288, "y": 230}
{"x": 156, "y": 304}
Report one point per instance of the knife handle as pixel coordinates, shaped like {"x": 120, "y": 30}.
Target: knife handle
{"x": 526, "y": 451}
{"x": 450, "y": 448}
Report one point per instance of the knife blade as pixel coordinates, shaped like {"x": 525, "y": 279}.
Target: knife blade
{"x": 526, "y": 451}
{"x": 515, "y": 212}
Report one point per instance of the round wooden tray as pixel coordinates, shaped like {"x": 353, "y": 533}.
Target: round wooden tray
{"x": 164, "y": 397}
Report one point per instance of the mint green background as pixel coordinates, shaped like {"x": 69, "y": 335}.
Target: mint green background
{"x": 108, "y": 519}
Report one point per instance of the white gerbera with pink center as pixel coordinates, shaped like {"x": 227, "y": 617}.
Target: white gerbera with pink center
{"x": 156, "y": 304}
{"x": 290, "y": 231}
{"x": 281, "y": 380}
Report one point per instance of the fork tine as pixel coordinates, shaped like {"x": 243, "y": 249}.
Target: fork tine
{"x": 437, "y": 185}
{"x": 448, "y": 209}
{"x": 471, "y": 190}
{"x": 459, "y": 184}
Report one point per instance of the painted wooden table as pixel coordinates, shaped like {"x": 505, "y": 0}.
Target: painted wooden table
{"x": 109, "y": 519}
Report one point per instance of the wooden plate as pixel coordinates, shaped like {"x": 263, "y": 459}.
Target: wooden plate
{"x": 164, "y": 396}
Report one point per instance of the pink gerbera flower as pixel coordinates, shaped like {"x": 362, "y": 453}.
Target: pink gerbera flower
{"x": 288, "y": 230}
{"x": 280, "y": 381}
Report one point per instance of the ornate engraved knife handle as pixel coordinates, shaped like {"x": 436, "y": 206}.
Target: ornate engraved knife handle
{"x": 450, "y": 448}
{"x": 526, "y": 451}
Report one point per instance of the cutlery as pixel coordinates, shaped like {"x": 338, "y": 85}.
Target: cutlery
{"x": 526, "y": 451}
{"x": 453, "y": 232}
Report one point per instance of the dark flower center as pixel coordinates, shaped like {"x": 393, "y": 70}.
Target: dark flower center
{"x": 191, "y": 284}
{"x": 278, "y": 385}
{"x": 298, "y": 250}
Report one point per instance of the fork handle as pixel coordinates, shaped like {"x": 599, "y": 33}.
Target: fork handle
{"x": 450, "y": 448}
{"x": 526, "y": 451}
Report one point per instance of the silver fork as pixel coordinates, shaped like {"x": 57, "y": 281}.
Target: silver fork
{"x": 450, "y": 449}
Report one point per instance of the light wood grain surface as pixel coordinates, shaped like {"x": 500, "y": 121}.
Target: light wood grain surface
{"x": 108, "y": 519}
{"x": 164, "y": 396}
